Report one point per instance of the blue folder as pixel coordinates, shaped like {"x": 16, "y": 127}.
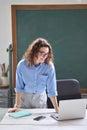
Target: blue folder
{"x": 19, "y": 114}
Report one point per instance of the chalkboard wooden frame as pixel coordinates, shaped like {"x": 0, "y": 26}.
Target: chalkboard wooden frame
{"x": 14, "y": 8}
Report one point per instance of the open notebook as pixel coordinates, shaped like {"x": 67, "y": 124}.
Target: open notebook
{"x": 71, "y": 109}
{"x": 21, "y": 113}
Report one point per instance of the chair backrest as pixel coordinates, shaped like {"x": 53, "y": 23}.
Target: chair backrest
{"x": 67, "y": 89}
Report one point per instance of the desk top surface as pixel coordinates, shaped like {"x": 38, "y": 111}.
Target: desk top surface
{"x": 33, "y": 127}
{"x": 48, "y": 121}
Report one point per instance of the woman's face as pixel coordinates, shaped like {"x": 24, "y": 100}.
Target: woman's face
{"x": 42, "y": 54}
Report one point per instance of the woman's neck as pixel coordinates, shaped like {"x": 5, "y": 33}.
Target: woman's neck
{"x": 36, "y": 62}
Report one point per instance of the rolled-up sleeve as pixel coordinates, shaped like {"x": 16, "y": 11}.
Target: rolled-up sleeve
{"x": 19, "y": 81}
{"x": 51, "y": 82}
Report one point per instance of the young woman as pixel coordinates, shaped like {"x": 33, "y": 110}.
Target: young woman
{"x": 35, "y": 77}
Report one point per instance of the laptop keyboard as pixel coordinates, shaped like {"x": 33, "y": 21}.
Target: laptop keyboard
{"x": 55, "y": 116}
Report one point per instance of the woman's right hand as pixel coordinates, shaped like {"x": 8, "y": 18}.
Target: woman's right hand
{"x": 14, "y": 109}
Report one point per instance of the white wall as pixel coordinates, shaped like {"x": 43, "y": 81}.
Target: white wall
{"x": 5, "y": 20}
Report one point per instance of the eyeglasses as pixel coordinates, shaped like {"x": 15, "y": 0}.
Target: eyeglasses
{"x": 43, "y": 54}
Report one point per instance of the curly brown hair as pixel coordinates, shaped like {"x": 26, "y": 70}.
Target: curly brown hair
{"x": 34, "y": 48}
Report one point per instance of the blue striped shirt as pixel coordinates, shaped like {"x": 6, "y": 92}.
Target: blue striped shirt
{"x": 36, "y": 79}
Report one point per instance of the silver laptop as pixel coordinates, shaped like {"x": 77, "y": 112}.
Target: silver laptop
{"x": 71, "y": 109}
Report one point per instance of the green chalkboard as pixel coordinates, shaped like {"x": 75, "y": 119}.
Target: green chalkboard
{"x": 65, "y": 29}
